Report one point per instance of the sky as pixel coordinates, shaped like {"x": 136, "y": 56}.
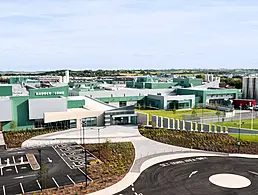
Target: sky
{"x": 128, "y": 34}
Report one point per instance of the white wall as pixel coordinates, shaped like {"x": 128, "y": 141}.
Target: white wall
{"x": 75, "y": 113}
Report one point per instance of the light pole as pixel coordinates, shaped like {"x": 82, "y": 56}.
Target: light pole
{"x": 252, "y": 115}
{"x": 202, "y": 111}
{"x": 40, "y": 173}
{"x": 85, "y": 152}
{"x": 99, "y": 141}
{"x": 238, "y": 139}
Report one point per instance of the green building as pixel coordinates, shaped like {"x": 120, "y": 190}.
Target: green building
{"x": 210, "y": 96}
{"x": 187, "y": 82}
{"x": 147, "y": 82}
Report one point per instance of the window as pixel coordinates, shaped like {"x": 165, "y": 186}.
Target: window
{"x": 122, "y": 103}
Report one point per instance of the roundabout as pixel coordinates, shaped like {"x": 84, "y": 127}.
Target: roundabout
{"x": 198, "y": 176}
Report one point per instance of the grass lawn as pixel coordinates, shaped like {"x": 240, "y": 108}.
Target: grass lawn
{"x": 178, "y": 115}
{"x": 250, "y": 138}
{"x": 247, "y": 124}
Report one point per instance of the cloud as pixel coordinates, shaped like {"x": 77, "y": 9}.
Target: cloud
{"x": 127, "y": 33}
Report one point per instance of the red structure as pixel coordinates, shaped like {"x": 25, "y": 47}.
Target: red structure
{"x": 245, "y": 103}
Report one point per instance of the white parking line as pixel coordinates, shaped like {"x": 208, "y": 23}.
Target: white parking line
{"x": 62, "y": 158}
{"x": 0, "y": 161}
{"x": 38, "y": 184}
{"x": 84, "y": 173}
{"x": 22, "y": 188}
{"x": 15, "y": 165}
{"x": 2, "y": 171}
{"x": 4, "y": 190}
{"x": 55, "y": 182}
{"x": 70, "y": 179}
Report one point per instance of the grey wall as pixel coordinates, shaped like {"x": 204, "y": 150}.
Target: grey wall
{"x": 160, "y": 122}
{"x": 166, "y": 123}
{"x": 154, "y": 120}
{"x": 172, "y": 123}
{"x": 188, "y": 125}
{"x": 206, "y": 127}
{"x": 37, "y": 107}
{"x": 6, "y": 113}
{"x": 177, "y": 124}
{"x": 142, "y": 119}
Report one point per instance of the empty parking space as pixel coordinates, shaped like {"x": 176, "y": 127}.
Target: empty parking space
{"x": 25, "y": 168}
{"x": 8, "y": 171}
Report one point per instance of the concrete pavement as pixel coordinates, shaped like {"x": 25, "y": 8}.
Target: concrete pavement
{"x": 147, "y": 152}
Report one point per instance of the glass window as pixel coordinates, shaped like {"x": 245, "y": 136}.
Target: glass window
{"x": 122, "y": 103}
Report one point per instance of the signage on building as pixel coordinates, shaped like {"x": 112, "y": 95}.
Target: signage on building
{"x": 47, "y": 93}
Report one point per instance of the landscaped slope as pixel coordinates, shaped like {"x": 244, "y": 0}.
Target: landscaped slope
{"x": 204, "y": 141}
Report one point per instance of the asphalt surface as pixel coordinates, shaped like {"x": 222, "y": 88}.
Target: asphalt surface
{"x": 190, "y": 176}
{"x": 15, "y": 179}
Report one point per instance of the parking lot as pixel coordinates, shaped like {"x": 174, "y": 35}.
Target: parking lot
{"x": 17, "y": 176}
{"x": 74, "y": 155}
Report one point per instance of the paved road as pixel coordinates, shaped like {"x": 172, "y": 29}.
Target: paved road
{"x": 190, "y": 176}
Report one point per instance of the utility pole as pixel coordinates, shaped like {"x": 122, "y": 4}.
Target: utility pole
{"x": 40, "y": 164}
{"x": 85, "y": 154}
{"x": 99, "y": 141}
{"x": 252, "y": 120}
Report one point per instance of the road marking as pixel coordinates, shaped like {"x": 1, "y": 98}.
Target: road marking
{"x": 55, "y": 182}
{"x": 4, "y": 190}
{"x": 0, "y": 161}
{"x": 62, "y": 158}
{"x": 15, "y": 165}
{"x": 20, "y": 177}
{"x": 253, "y": 172}
{"x": 38, "y": 184}
{"x": 49, "y": 160}
{"x": 133, "y": 189}
{"x": 22, "y": 188}
{"x": 84, "y": 173}
{"x": 70, "y": 179}
{"x": 2, "y": 171}
{"x": 194, "y": 172}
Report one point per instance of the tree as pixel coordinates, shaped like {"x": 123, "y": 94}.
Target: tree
{"x": 174, "y": 111}
{"x": 194, "y": 112}
{"x": 218, "y": 113}
{"x": 200, "y": 76}
{"x": 43, "y": 175}
{"x": 13, "y": 125}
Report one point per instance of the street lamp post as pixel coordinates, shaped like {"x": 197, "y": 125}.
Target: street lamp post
{"x": 85, "y": 153}
{"x": 252, "y": 119}
{"x": 99, "y": 141}
{"x": 40, "y": 164}
{"x": 202, "y": 111}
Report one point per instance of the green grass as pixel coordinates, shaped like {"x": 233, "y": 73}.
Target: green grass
{"x": 246, "y": 137}
{"x": 246, "y": 125}
{"x": 170, "y": 114}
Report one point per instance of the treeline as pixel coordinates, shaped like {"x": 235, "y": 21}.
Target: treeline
{"x": 235, "y": 82}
